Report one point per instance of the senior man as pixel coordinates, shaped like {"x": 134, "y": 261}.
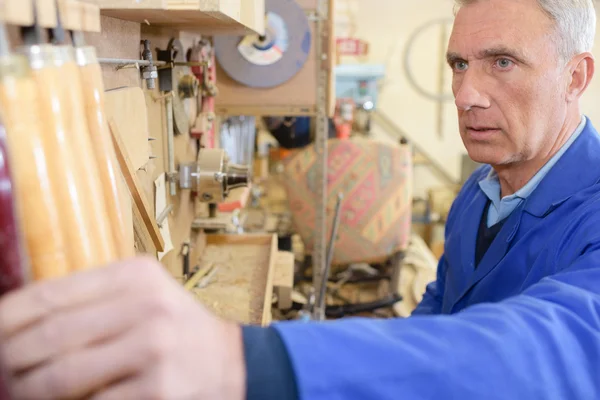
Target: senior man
{"x": 514, "y": 312}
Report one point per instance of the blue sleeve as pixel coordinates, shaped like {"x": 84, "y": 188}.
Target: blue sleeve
{"x": 541, "y": 344}
{"x": 432, "y": 299}
{"x": 269, "y": 374}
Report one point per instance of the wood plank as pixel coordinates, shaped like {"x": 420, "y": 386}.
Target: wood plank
{"x": 127, "y": 212}
{"x": 75, "y": 15}
{"x": 283, "y": 279}
{"x": 142, "y": 241}
{"x": 253, "y": 239}
{"x": 201, "y": 273}
{"x": 201, "y": 16}
{"x": 126, "y": 107}
{"x": 268, "y": 298}
{"x": 136, "y": 190}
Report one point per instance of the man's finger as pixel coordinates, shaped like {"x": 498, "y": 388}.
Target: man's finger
{"x": 132, "y": 388}
{"x": 86, "y": 370}
{"x": 21, "y": 308}
{"x": 72, "y": 329}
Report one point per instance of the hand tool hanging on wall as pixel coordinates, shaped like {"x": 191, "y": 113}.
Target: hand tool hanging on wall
{"x": 204, "y": 127}
{"x": 73, "y": 171}
{"x": 177, "y": 77}
{"x": 104, "y": 152}
{"x": 29, "y": 118}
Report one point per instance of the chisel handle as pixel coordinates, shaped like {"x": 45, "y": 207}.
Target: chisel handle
{"x": 102, "y": 146}
{"x": 74, "y": 178}
{"x": 30, "y": 159}
{"x": 99, "y": 231}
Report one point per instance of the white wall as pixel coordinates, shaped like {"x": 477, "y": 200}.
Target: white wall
{"x": 387, "y": 25}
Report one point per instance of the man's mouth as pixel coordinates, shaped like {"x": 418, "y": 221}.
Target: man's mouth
{"x": 481, "y": 131}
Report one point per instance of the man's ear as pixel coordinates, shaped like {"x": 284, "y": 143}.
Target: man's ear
{"x": 581, "y": 69}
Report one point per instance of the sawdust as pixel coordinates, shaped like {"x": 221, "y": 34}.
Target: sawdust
{"x": 237, "y": 290}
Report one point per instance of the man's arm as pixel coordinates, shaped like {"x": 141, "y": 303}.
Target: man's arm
{"x": 544, "y": 343}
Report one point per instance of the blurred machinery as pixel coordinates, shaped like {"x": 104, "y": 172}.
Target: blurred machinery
{"x": 357, "y": 92}
{"x": 213, "y": 176}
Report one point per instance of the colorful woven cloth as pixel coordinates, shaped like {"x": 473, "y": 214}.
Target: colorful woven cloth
{"x": 376, "y": 180}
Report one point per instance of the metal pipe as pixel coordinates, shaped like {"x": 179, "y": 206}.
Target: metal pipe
{"x": 320, "y": 308}
{"x": 125, "y": 61}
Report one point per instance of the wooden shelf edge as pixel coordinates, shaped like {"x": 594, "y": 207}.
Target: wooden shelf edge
{"x": 215, "y": 17}
{"x": 75, "y": 15}
{"x": 265, "y": 110}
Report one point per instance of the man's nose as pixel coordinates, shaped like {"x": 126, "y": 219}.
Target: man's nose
{"x": 470, "y": 93}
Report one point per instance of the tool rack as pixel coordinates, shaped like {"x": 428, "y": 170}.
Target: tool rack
{"x": 116, "y": 29}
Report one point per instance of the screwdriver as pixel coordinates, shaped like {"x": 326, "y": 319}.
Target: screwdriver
{"x": 74, "y": 175}
{"x": 29, "y": 158}
{"x": 106, "y": 159}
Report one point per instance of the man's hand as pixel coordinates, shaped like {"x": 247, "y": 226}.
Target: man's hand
{"x": 126, "y": 331}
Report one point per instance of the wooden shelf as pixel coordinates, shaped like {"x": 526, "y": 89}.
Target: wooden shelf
{"x": 75, "y": 15}
{"x": 242, "y": 287}
{"x": 201, "y": 16}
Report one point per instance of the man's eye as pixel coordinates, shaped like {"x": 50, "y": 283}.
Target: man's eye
{"x": 460, "y": 66}
{"x": 504, "y": 63}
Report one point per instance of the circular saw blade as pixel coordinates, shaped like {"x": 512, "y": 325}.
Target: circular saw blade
{"x": 275, "y": 58}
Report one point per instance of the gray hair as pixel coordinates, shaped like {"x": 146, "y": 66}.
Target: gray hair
{"x": 575, "y": 24}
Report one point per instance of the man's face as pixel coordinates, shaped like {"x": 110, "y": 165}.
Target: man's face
{"x": 508, "y": 80}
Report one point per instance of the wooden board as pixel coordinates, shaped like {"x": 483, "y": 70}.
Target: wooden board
{"x": 139, "y": 199}
{"x": 206, "y": 17}
{"x": 283, "y": 279}
{"x": 127, "y": 211}
{"x": 75, "y": 15}
{"x": 126, "y": 107}
{"x": 242, "y": 287}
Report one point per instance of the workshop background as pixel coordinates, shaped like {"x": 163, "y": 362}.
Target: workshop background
{"x": 283, "y": 159}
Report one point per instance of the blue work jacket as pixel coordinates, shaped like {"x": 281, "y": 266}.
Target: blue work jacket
{"x": 524, "y": 324}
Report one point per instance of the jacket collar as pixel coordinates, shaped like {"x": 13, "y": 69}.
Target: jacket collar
{"x": 574, "y": 171}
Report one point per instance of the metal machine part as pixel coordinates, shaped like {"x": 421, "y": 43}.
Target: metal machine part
{"x": 149, "y": 72}
{"x": 178, "y": 77}
{"x": 212, "y": 177}
{"x": 269, "y": 60}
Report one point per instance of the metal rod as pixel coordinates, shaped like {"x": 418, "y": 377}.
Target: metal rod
{"x": 320, "y": 308}
{"x": 125, "y": 61}
{"x": 163, "y": 215}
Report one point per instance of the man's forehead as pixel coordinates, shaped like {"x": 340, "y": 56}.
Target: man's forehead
{"x": 485, "y": 27}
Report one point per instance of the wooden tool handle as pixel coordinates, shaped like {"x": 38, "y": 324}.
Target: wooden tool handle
{"x": 30, "y": 158}
{"x": 102, "y": 146}
{"x": 82, "y": 220}
{"x": 94, "y": 216}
